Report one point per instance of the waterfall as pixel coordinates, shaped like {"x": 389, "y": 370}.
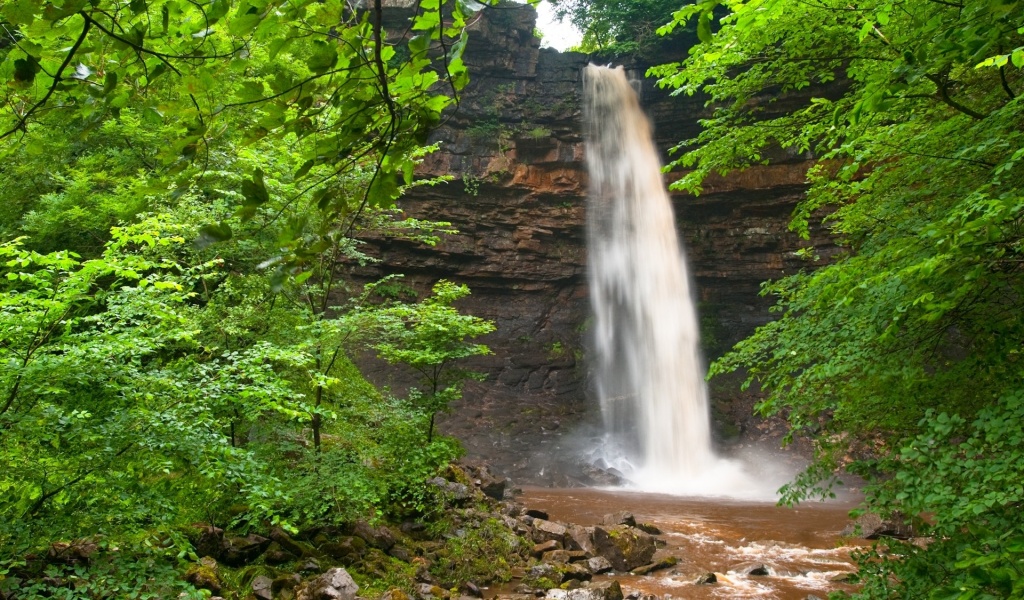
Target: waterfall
{"x": 649, "y": 370}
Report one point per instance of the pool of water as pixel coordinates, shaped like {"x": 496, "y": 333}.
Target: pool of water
{"x": 800, "y": 546}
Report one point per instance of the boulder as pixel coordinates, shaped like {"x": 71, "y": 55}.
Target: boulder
{"x": 207, "y": 539}
{"x": 413, "y": 529}
{"x": 335, "y": 584}
{"x": 707, "y": 579}
{"x": 648, "y": 528}
{"x": 575, "y": 572}
{"x": 262, "y": 587}
{"x": 556, "y": 556}
{"x": 606, "y": 477}
{"x": 626, "y": 548}
{"x": 580, "y": 538}
{"x": 490, "y": 485}
{"x": 536, "y": 513}
{"x": 871, "y": 527}
{"x": 401, "y": 553}
{"x": 541, "y": 570}
{"x": 286, "y": 582}
{"x": 276, "y": 555}
{"x": 755, "y": 569}
{"x": 598, "y": 565}
{"x": 286, "y": 542}
{"x": 458, "y": 492}
{"x": 607, "y": 590}
{"x": 205, "y": 575}
{"x": 548, "y": 530}
{"x": 427, "y": 591}
{"x": 395, "y": 594}
{"x": 345, "y": 549}
{"x": 548, "y": 546}
{"x": 623, "y": 517}
{"x": 665, "y": 563}
{"x": 240, "y": 551}
{"x": 471, "y": 589}
{"x": 378, "y": 537}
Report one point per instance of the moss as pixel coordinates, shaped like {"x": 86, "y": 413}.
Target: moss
{"x": 204, "y": 577}
{"x": 483, "y": 553}
{"x": 382, "y": 574}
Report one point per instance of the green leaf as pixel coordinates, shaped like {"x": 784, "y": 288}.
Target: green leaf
{"x": 323, "y": 58}
{"x": 255, "y": 190}
{"x": 212, "y": 233}
{"x": 305, "y": 168}
{"x": 109, "y": 82}
{"x": 25, "y": 69}
{"x": 20, "y": 12}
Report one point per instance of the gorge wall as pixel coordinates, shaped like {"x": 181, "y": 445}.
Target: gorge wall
{"x": 515, "y": 148}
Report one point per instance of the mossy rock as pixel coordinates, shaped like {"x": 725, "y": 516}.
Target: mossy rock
{"x": 204, "y": 577}
{"x": 626, "y": 548}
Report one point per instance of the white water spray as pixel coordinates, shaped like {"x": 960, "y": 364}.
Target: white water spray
{"x": 649, "y": 371}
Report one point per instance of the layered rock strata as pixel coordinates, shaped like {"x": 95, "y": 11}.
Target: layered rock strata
{"x": 515, "y": 149}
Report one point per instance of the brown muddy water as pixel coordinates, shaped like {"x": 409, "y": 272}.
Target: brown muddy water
{"x": 800, "y": 545}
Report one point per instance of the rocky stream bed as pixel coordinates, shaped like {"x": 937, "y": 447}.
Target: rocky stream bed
{"x": 491, "y": 541}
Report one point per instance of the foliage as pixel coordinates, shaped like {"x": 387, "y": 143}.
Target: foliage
{"x": 182, "y": 194}
{"x": 114, "y": 411}
{"x": 616, "y": 27}
{"x": 312, "y": 70}
{"x": 142, "y": 569}
{"x": 912, "y": 111}
{"x": 971, "y": 474}
{"x": 429, "y": 336}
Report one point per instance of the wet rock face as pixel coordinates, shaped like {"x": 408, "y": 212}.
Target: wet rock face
{"x": 515, "y": 149}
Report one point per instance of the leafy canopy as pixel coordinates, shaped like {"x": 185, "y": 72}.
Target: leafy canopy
{"x": 313, "y": 70}
{"x": 183, "y": 188}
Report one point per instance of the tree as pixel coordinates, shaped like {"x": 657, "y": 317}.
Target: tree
{"x": 429, "y": 337}
{"x": 198, "y": 355}
{"x": 106, "y": 392}
{"x": 312, "y": 70}
{"x": 900, "y": 354}
{"x": 616, "y": 26}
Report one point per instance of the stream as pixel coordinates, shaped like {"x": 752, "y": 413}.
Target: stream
{"x": 799, "y": 545}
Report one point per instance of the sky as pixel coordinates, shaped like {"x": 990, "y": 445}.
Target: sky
{"x": 559, "y": 36}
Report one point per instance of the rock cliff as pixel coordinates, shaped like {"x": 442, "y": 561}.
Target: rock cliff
{"x": 515, "y": 148}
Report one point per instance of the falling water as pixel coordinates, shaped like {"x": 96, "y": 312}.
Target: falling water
{"x": 649, "y": 371}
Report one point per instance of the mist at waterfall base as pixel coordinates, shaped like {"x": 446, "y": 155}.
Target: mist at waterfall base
{"x": 647, "y": 365}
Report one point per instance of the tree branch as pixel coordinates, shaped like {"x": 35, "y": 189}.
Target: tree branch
{"x": 943, "y": 95}
{"x": 378, "y": 43}
{"x": 23, "y": 121}
{"x": 1005, "y": 83}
